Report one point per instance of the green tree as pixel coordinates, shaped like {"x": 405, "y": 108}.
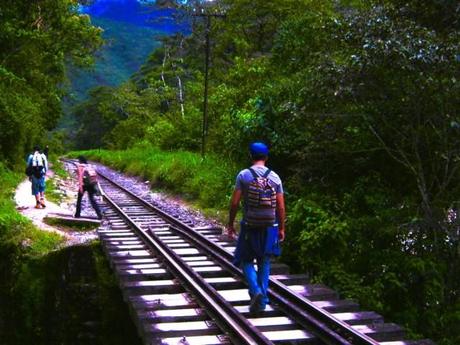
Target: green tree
{"x": 97, "y": 116}
{"x": 369, "y": 108}
{"x": 37, "y": 39}
{"x": 358, "y": 101}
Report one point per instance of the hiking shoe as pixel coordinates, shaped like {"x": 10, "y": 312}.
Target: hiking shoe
{"x": 256, "y": 303}
{"x": 38, "y": 206}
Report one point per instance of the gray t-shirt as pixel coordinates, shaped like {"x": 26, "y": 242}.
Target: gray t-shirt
{"x": 245, "y": 177}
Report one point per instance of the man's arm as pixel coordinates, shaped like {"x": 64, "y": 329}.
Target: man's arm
{"x": 46, "y": 162}
{"x": 234, "y": 203}
{"x": 80, "y": 169}
{"x": 281, "y": 212}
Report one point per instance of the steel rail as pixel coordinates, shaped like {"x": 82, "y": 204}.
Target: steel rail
{"x": 227, "y": 317}
{"x": 328, "y": 328}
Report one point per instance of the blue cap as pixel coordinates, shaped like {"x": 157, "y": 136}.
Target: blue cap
{"x": 258, "y": 148}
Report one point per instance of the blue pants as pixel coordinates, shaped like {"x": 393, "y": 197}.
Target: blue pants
{"x": 258, "y": 280}
{"x": 257, "y": 244}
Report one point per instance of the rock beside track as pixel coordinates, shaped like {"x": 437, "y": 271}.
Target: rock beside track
{"x": 25, "y": 203}
{"x": 167, "y": 203}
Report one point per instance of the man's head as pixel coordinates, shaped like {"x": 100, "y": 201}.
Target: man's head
{"x": 259, "y": 151}
{"x": 82, "y": 159}
{"x": 36, "y": 148}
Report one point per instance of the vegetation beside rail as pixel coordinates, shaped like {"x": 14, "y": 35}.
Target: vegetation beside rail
{"x": 329, "y": 237}
{"x": 49, "y": 292}
{"x": 208, "y": 183}
{"x": 358, "y": 100}
{"x": 53, "y": 193}
{"x": 20, "y": 242}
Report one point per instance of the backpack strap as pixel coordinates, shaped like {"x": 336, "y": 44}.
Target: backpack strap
{"x": 37, "y": 159}
{"x": 253, "y": 173}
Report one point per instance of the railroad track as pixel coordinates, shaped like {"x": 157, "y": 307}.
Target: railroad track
{"x": 182, "y": 288}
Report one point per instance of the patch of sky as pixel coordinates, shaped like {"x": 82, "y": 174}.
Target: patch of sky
{"x": 136, "y": 12}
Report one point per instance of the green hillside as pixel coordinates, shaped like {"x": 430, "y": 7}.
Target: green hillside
{"x": 126, "y": 48}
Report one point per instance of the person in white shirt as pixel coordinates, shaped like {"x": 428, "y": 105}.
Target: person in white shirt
{"x": 39, "y": 164}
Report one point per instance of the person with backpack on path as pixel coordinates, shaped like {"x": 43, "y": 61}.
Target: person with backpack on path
{"x": 262, "y": 225}
{"x": 37, "y": 166}
{"x": 87, "y": 182}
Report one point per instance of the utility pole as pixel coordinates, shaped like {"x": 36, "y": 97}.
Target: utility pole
{"x": 207, "y": 15}
{"x": 204, "y": 133}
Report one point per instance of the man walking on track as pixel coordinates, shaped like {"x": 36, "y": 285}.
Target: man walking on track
{"x": 37, "y": 166}
{"x": 262, "y": 226}
{"x": 87, "y": 182}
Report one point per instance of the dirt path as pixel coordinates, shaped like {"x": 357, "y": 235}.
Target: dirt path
{"x": 25, "y": 204}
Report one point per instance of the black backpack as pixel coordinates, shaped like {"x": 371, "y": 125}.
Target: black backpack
{"x": 38, "y": 171}
{"x": 29, "y": 170}
{"x": 34, "y": 168}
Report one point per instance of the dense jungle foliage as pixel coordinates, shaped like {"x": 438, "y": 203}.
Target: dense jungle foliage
{"x": 47, "y": 295}
{"x": 358, "y": 100}
{"x": 359, "y": 103}
{"x": 37, "y": 39}
{"x": 54, "y": 295}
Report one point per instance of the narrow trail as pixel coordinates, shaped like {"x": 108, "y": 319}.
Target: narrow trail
{"x": 25, "y": 204}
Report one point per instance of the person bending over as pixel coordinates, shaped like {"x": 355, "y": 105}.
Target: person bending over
{"x": 87, "y": 182}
